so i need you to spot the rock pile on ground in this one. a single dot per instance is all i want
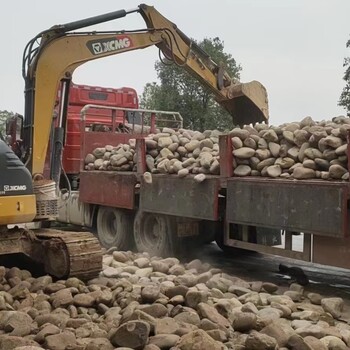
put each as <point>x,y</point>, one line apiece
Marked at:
<point>302,150</point>
<point>147,303</point>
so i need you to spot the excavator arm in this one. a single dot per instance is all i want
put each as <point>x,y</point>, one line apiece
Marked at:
<point>61,51</point>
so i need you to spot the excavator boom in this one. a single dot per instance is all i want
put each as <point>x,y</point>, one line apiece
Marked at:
<point>246,102</point>
<point>60,52</point>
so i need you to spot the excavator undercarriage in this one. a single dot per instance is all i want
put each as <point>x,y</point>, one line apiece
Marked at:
<point>62,253</point>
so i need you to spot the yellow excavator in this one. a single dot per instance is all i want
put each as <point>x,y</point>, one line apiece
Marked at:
<point>49,61</point>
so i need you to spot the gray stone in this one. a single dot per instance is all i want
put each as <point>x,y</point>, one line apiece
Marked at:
<point>242,170</point>
<point>314,343</point>
<point>244,321</point>
<point>166,325</point>
<point>188,317</point>
<point>296,342</point>
<point>336,171</point>
<point>274,170</point>
<point>259,341</point>
<point>315,298</point>
<point>150,294</point>
<point>61,341</point>
<point>133,334</point>
<point>311,330</point>
<point>236,142</point>
<point>303,173</point>
<point>198,340</point>
<point>84,300</point>
<point>244,152</point>
<point>333,305</point>
<point>270,135</point>
<point>164,341</point>
<point>209,312</point>
<point>269,287</point>
<point>333,343</point>
<point>156,310</point>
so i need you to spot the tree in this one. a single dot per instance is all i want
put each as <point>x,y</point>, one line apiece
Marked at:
<point>344,100</point>
<point>179,91</point>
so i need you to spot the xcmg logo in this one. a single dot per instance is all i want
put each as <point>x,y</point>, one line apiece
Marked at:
<point>10,188</point>
<point>98,47</point>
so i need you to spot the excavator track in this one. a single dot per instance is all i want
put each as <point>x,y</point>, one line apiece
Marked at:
<point>70,254</point>
<point>62,253</point>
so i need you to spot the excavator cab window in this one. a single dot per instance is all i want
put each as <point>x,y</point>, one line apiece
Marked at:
<point>14,133</point>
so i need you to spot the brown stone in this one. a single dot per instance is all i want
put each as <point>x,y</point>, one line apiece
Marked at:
<point>132,334</point>
<point>198,340</point>
<point>212,314</point>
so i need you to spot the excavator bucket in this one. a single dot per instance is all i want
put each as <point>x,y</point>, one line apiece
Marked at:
<point>247,103</point>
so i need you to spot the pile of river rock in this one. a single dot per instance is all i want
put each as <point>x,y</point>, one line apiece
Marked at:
<point>147,303</point>
<point>300,150</point>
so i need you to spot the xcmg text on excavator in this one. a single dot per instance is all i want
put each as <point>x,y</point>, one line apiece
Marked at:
<point>49,61</point>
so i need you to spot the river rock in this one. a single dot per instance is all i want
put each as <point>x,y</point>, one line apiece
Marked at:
<point>244,152</point>
<point>236,142</point>
<point>270,135</point>
<point>303,173</point>
<point>336,171</point>
<point>333,305</point>
<point>164,341</point>
<point>274,170</point>
<point>198,340</point>
<point>133,334</point>
<point>244,321</point>
<point>240,133</point>
<point>259,341</point>
<point>274,149</point>
<point>333,141</point>
<point>211,314</point>
<point>332,342</point>
<point>242,170</point>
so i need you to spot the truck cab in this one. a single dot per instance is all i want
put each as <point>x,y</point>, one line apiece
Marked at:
<point>80,96</point>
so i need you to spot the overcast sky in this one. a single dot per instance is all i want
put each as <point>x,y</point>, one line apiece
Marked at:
<point>295,48</point>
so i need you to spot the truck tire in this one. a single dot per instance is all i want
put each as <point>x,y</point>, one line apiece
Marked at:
<point>155,234</point>
<point>114,228</point>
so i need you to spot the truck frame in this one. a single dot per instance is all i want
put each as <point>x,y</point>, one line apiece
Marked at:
<point>247,213</point>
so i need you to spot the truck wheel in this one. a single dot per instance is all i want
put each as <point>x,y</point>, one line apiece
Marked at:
<point>114,228</point>
<point>155,234</point>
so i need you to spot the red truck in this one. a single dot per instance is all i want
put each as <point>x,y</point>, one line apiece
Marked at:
<point>159,216</point>
<point>110,116</point>
<point>79,96</point>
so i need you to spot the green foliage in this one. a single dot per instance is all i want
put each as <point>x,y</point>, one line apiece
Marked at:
<point>344,100</point>
<point>3,116</point>
<point>178,91</point>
